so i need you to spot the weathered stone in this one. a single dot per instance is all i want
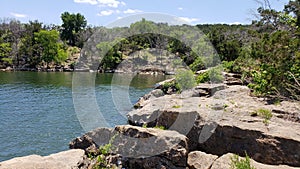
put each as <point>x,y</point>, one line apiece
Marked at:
<point>222,123</point>
<point>63,160</point>
<point>146,98</point>
<point>224,162</point>
<point>211,89</point>
<point>200,160</point>
<point>92,140</point>
<point>143,147</point>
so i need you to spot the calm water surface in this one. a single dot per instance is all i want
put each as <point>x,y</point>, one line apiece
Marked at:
<point>37,114</point>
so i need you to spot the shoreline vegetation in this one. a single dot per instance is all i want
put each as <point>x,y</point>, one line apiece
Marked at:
<point>265,53</point>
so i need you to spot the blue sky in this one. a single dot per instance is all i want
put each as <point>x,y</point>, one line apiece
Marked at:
<point>103,12</point>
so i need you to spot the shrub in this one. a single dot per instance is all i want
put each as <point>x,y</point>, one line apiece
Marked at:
<point>237,163</point>
<point>203,77</point>
<point>170,85</point>
<point>266,114</point>
<point>213,75</point>
<point>8,60</point>
<point>185,79</point>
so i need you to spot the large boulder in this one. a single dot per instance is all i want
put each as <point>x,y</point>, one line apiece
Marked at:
<point>224,122</point>
<point>63,160</point>
<point>139,147</point>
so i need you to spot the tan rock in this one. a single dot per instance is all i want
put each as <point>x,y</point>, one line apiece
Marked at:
<point>200,160</point>
<point>140,147</point>
<point>224,162</point>
<point>62,160</point>
<point>222,123</point>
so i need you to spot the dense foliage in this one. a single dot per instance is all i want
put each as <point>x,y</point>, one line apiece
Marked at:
<point>267,52</point>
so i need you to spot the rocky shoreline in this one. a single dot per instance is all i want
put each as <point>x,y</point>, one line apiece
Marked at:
<point>199,128</point>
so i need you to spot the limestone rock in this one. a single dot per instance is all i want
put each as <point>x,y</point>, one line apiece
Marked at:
<point>224,162</point>
<point>222,123</point>
<point>141,147</point>
<point>146,98</point>
<point>63,160</point>
<point>200,160</point>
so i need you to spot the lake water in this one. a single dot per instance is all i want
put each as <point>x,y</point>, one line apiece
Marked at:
<point>37,114</point>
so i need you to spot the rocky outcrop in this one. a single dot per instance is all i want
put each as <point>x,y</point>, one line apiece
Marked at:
<point>63,160</point>
<point>221,122</point>
<point>204,126</point>
<point>139,147</point>
<point>224,162</point>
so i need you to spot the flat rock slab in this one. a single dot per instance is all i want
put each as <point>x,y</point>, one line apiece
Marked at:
<point>62,160</point>
<point>222,123</point>
<point>224,162</point>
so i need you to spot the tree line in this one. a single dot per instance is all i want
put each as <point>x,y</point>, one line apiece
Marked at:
<point>29,45</point>
<point>266,52</point>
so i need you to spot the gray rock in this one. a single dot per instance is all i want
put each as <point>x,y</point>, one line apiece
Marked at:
<point>146,98</point>
<point>224,162</point>
<point>210,89</point>
<point>143,147</point>
<point>63,160</point>
<point>200,160</point>
<point>222,123</point>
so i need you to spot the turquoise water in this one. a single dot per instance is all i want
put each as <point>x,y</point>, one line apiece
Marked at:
<point>37,114</point>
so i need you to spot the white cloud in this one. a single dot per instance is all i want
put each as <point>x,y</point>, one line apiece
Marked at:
<point>119,17</point>
<point>132,11</point>
<point>18,15</point>
<point>110,3</point>
<point>123,3</point>
<point>236,23</point>
<point>92,2</point>
<point>106,13</point>
<point>189,20</point>
<point>180,8</point>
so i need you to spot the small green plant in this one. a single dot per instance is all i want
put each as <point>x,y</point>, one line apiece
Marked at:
<point>264,113</point>
<point>170,86</point>
<point>232,102</point>
<point>277,102</point>
<point>105,149</point>
<point>176,106</point>
<point>225,106</point>
<point>203,77</point>
<point>238,163</point>
<point>228,66</point>
<point>144,125</point>
<point>213,75</point>
<point>160,127</point>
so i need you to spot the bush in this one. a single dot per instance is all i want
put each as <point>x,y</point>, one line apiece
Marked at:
<point>8,60</point>
<point>203,77</point>
<point>213,75</point>
<point>185,79</point>
<point>237,163</point>
<point>170,86</point>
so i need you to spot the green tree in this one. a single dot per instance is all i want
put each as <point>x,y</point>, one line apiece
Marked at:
<point>72,25</point>
<point>52,50</point>
<point>29,49</point>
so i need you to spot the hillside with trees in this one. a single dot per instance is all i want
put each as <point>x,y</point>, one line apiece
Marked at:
<point>266,53</point>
